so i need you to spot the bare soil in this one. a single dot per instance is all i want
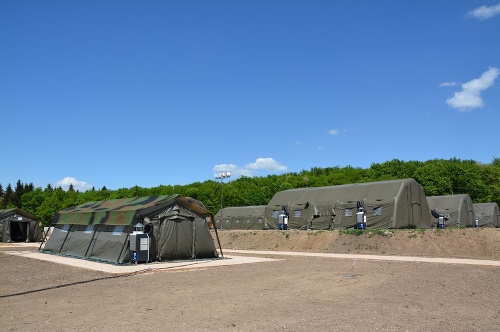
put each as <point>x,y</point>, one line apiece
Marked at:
<point>295,293</point>
<point>481,243</point>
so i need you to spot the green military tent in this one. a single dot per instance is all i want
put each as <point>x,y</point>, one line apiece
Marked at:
<point>458,210</point>
<point>388,204</point>
<point>242,217</point>
<point>178,229</point>
<point>19,226</point>
<point>488,214</point>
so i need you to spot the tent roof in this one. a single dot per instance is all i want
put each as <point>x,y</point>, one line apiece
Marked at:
<point>241,211</point>
<point>8,212</point>
<point>456,197</point>
<point>380,191</point>
<point>489,210</point>
<point>123,211</point>
<point>486,207</point>
<point>447,201</point>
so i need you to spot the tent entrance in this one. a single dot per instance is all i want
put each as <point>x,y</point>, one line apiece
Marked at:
<point>18,231</point>
<point>176,238</point>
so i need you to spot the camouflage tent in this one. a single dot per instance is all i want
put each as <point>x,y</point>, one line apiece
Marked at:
<point>388,204</point>
<point>100,230</point>
<point>242,217</point>
<point>488,214</point>
<point>19,226</point>
<point>458,210</point>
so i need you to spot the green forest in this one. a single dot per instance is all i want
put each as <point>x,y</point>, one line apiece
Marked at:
<point>438,177</point>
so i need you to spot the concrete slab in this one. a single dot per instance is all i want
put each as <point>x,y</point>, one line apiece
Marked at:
<point>133,268</point>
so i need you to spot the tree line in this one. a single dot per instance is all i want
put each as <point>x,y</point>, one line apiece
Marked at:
<point>438,177</point>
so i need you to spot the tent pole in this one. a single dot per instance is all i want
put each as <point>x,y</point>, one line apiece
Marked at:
<point>218,240</point>
<point>67,234</point>
<point>193,246</point>
<point>27,232</point>
<point>92,241</point>
<point>44,238</point>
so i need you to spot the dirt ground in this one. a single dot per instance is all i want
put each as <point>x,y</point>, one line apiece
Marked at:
<point>294,293</point>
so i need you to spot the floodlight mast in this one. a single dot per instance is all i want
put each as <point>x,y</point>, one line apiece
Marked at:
<point>221,177</point>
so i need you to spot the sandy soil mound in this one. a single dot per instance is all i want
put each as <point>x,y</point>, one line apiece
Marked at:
<point>483,243</point>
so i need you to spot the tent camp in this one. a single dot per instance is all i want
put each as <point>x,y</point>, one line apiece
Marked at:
<point>242,217</point>
<point>19,226</point>
<point>388,204</point>
<point>177,228</point>
<point>488,214</point>
<point>458,210</point>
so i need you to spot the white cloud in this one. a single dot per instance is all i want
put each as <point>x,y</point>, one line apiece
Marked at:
<point>224,168</point>
<point>444,84</point>
<point>333,132</point>
<point>77,185</point>
<point>336,131</point>
<point>260,164</point>
<point>485,12</point>
<point>268,164</point>
<point>470,96</point>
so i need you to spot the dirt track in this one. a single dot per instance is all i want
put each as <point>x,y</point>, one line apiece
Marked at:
<point>294,293</point>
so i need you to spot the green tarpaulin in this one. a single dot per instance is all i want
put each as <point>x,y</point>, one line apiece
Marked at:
<point>388,204</point>
<point>101,230</point>
<point>242,217</point>
<point>19,226</point>
<point>488,214</point>
<point>458,210</point>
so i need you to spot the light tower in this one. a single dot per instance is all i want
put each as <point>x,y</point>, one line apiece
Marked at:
<point>221,177</point>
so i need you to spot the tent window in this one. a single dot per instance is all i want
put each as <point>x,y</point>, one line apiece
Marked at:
<point>89,229</point>
<point>377,211</point>
<point>118,230</point>
<point>237,221</point>
<point>248,221</point>
<point>260,220</point>
<point>275,214</point>
<point>297,213</point>
<point>227,221</point>
<point>217,221</point>
<point>348,212</point>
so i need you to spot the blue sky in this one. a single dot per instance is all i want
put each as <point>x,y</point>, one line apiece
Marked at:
<point>123,93</point>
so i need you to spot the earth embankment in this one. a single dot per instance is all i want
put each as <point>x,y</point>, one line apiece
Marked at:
<point>482,243</point>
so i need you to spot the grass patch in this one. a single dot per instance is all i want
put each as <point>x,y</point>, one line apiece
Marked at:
<point>366,247</point>
<point>412,234</point>
<point>382,232</point>
<point>370,232</point>
<point>356,232</point>
<point>314,233</point>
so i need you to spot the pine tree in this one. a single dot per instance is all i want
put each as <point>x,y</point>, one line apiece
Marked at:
<point>2,193</point>
<point>8,201</point>
<point>18,193</point>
